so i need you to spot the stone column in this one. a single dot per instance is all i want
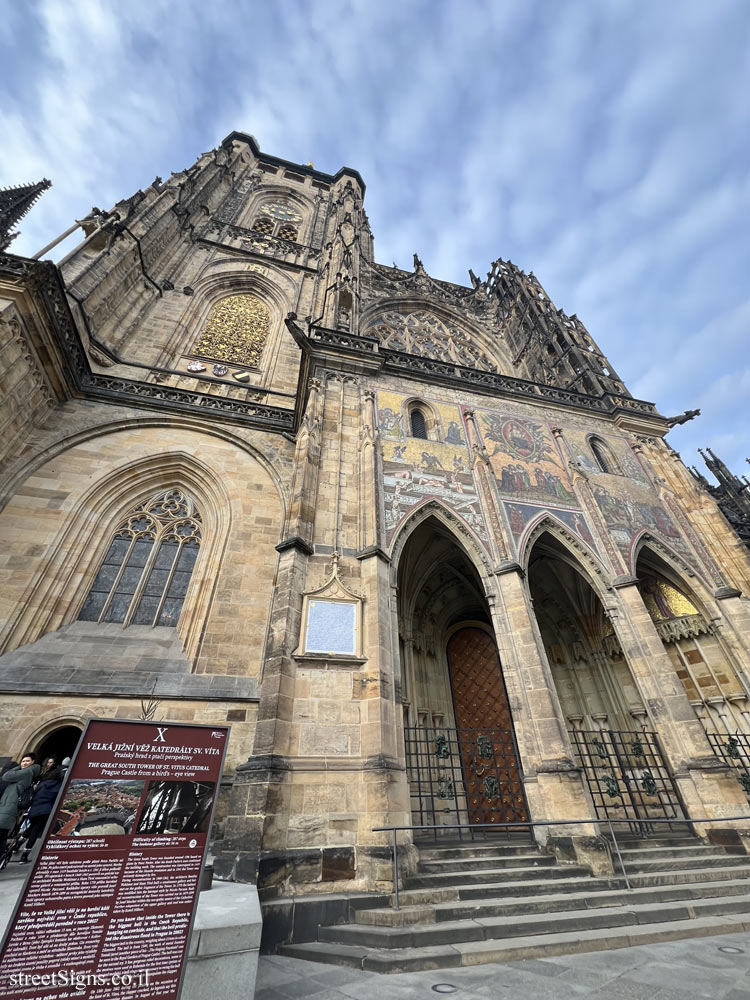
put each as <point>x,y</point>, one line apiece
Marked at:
<point>706,784</point>
<point>734,631</point>
<point>553,782</point>
<point>259,803</point>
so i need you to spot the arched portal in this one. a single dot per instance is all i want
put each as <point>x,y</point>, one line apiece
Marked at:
<point>592,678</point>
<point>608,723</point>
<point>60,743</point>
<point>701,661</point>
<point>461,751</point>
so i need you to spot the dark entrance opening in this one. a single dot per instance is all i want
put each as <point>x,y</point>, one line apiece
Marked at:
<point>59,744</point>
<point>461,755</point>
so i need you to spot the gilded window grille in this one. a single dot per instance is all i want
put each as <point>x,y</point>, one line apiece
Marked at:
<point>264,225</point>
<point>145,574</point>
<point>235,331</point>
<point>288,233</point>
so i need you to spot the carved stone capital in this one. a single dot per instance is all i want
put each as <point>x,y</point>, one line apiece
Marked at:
<point>722,593</point>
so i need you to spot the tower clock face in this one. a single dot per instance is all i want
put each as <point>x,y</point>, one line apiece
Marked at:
<point>281,210</point>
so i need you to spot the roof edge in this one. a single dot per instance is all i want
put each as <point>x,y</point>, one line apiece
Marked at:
<point>302,168</point>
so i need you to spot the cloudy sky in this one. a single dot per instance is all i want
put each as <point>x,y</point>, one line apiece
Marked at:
<point>605,146</point>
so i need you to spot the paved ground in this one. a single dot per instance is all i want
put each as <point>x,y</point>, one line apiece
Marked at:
<point>694,969</point>
<point>675,970</point>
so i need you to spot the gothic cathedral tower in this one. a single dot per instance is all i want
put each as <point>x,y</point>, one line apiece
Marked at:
<point>415,541</point>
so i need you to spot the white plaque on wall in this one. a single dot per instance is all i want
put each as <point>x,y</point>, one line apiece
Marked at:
<point>331,627</point>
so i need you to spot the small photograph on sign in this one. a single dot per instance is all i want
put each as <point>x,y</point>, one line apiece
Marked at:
<point>177,807</point>
<point>98,807</point>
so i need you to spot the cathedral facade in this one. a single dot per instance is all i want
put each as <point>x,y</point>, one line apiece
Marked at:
<point>415,541</point>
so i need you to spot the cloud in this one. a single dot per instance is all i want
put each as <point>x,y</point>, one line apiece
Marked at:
<point>604,147</point>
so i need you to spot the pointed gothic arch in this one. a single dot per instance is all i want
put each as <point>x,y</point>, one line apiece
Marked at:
<point>218,282</point>
<point>300,209</point>
<point>451,323</point>
<point>29,735</point>
<point>453,686</point>
<point>685,616</point>
<point>101,429</point>
<point>682,570</point>
<point>465,537</point>
<point>78,549</point>
<point>592,678</point>
<point>582,556</point>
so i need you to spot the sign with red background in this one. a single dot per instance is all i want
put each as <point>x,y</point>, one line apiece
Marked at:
<point>107,911</point>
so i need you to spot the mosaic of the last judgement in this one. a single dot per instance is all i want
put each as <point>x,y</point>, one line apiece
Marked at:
<point>415,469</point>
<point>531,476</point>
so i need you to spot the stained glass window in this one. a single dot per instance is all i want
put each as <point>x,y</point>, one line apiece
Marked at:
<point>235,331</point>
<point>144,577</point>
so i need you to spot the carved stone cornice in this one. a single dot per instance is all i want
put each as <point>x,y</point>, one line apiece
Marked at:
<point>43,281</point>
<point>685,627</point>
<point>458,376</point>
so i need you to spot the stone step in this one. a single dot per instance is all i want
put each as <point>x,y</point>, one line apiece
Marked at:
<point>694,875</point>
<point>676,840</point>
<point>481,928</point>
<point>474,851</point>
<point>443,879</point>
<point>685,863</point>
<point>510,950</point>
<point>567,879</point>
<point>460,865</point>
<point>653,853</point>
<point>582,900</point>
<point>541,886</point>
<point>503,890</point>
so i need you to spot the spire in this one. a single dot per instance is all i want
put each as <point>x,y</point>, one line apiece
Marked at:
<point>14,204</point>
<point>731,495</point>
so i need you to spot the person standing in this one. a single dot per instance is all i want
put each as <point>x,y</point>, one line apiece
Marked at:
<point>42,804</point>
<point>16,781</point>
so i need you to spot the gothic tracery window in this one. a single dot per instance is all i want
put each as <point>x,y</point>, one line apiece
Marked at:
<point>145,574</point>
<point>235,331</point>
<point>426,335</point>
<point>278,218</point>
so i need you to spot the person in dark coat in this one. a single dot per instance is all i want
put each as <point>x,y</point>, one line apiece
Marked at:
<point>10,766</point>
<point>16,781</point>
<point>42,804</point>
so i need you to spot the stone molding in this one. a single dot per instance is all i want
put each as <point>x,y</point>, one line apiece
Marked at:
<point>44,278</point>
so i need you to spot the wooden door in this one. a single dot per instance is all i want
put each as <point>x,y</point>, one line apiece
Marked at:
<point>489,759</point>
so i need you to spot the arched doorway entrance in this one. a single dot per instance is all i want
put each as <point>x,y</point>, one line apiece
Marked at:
<point>702,661</point>
<point>695,648</point>
<point>462,759</point>
<point>60,743</point>
<point>609,726</point>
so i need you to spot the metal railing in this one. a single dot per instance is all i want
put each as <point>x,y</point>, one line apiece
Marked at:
<point>627,776</point>
<point>395,830</point>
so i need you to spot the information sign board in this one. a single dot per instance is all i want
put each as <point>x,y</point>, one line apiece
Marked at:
<point>107,911</point>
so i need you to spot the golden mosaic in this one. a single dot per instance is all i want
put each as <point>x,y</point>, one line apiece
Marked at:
<point>235,331</point>
<point>663,600</point>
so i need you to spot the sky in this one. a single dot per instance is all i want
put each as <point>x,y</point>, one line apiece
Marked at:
<point>605,146</point>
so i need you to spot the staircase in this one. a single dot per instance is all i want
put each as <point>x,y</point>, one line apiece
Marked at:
<point>472,904</point>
